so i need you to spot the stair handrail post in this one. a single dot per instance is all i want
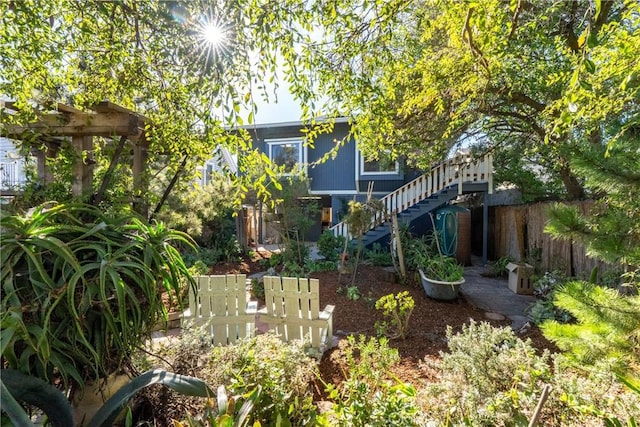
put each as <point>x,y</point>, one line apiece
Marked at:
<point>460,168</point>
<point>489,158</point>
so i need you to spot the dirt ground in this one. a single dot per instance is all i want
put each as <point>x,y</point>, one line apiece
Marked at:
<point>428,323</point>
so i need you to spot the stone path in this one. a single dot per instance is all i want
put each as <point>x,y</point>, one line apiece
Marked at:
<point>494,296</point>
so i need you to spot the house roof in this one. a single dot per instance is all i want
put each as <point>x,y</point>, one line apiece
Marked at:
<point>293,123</point>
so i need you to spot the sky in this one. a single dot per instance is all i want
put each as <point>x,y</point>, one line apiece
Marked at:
<point>285,110</point>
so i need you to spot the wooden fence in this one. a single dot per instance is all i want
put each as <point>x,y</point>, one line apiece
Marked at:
<point>518,232</point>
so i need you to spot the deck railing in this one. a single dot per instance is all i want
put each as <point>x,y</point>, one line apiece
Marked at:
<point>11,174</point>
<point>456,170</point>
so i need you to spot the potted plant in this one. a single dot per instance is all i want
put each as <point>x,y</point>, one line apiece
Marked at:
<point>441,277</point>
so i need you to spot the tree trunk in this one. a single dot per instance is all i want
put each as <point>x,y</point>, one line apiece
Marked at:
<point>575,190</point>
<point>173,182</point>
<point>97,198</point>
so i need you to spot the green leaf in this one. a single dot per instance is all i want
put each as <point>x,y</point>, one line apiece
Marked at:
<point>182,384</point>
<point>16,413</point>
<point>247,406</point>
<point>583,37</point>
<point>586,85</point>
<point>574,78</point>
<point>36,392</point>
<point>589,66</point>
<point>6,336</point>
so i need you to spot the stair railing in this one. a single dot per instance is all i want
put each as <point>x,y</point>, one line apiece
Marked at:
<point>460,169</point>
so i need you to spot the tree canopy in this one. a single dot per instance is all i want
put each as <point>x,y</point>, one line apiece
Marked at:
<point>534,79</point>
<point>153,57</point>
<point>421,76</point>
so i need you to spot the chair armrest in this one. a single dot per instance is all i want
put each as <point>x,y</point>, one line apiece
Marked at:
<point>327,312</point>
<point>252,307</point>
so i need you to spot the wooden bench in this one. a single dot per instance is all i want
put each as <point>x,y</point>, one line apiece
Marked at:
<point>292,311</point>
<point>221,305</point>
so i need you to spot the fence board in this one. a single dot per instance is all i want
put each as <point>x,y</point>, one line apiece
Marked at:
<point>519,233</point>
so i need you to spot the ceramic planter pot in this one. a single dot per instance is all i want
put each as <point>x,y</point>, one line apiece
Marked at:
<point>436,289</point>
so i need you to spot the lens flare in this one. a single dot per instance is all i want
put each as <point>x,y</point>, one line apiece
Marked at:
<point>213,34</point>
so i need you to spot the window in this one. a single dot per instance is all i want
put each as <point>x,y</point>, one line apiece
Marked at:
<point>286,153</point>
<point>384,164</point>
<point>208,174</point>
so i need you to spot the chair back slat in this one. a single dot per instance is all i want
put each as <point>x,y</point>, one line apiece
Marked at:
<point>293,310</point>
<point>221,304</point>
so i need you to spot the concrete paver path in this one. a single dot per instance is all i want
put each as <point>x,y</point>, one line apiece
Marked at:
<point>494,296</point>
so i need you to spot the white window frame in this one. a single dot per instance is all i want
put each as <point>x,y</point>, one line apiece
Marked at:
<point>302,152</point>
<point>362,161</point>
<point>209,168</point>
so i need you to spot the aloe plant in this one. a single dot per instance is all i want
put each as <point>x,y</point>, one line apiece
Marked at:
<point>82,289</point>
<point>16,387</point>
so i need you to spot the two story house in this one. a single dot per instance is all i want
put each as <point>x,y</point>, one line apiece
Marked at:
<point>334,182</point>
<point>408,194</point>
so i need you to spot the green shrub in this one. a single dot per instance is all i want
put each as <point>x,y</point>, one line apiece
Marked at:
<point>417,251</point>
<point>82,289</point>
<point>377,256</point>
<point>314,266</point>
<point>283,371</point>
<point>489,377</point>
<point>498,268</point>
<point>369,396</point>
<point>398,308</point>
<point>353,293</point>
<point>589,397</point>
<point>543,309</point>
<point>330,246</point>
<point>257,289</point>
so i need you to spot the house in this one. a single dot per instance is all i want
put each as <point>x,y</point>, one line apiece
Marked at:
<point>221,162</point>
<point>407,193</point>
<point>13,168</point>
<point>334,182</point>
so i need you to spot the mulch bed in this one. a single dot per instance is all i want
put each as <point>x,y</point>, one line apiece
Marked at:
<point>428,324</point>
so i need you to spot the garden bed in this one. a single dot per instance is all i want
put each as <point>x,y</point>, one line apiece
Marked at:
<point>428,323</point>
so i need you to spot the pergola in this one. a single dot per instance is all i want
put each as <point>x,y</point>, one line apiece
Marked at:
<point>115,123</point>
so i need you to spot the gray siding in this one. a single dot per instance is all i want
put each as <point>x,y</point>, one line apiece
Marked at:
<point>380,184</point>
<point>338,175</point>
<point>335,174</point>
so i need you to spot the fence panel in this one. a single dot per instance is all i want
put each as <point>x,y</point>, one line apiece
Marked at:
<point>519,233</point>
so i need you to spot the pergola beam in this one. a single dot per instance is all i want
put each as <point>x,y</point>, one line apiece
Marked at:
<point>105,119</point>
<point>81,124</point>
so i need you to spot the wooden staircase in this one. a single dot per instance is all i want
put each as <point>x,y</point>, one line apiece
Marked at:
<point>458,175</point>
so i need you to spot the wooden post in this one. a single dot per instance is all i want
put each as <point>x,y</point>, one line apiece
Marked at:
<point>82,170</point>
<point>50,152</point>
<point>538,410</point>
<point>489,171</point>
<point>485,228</point>
<point>140,180</point>
<point>396,232</point>
<point>41,165</point>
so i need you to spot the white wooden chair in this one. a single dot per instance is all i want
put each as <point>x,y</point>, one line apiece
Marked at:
<point>292,311</point>
<point>223,307</point>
